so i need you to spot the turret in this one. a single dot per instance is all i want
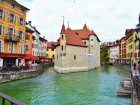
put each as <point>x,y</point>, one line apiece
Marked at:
<point>85,26</point>
<point>63,40</point>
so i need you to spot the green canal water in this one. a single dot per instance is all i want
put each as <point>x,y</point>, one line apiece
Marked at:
<point>96,87</point>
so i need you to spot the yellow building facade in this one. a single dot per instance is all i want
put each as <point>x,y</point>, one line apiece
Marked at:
<point>51,51</point>
<point>12,32</point>
<point>130,46</point>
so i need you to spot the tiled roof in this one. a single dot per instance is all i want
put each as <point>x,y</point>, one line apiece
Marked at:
<point>73,39</point>
<point>51,44</point>
<point>82,33</point>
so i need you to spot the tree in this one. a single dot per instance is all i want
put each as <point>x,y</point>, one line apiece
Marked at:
<point>104,53</point>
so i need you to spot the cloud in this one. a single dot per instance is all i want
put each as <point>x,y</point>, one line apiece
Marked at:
<point>108,18</point>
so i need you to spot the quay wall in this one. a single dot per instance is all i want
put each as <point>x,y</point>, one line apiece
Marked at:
<point>134,98</point>
<point>22,74</point>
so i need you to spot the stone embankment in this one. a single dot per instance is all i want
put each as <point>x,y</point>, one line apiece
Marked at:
<point>7,76</point>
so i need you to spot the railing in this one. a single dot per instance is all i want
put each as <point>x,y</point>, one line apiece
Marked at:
<point>12,101</point>
<point>136,85</point>
<point>12,38</point>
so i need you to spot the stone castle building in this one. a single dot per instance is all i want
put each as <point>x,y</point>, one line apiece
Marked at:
<point>77,50</point>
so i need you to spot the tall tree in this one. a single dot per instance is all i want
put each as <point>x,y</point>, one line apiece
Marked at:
<point>104,53</point>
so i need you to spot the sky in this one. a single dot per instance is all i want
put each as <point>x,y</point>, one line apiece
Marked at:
<point>108,18</point>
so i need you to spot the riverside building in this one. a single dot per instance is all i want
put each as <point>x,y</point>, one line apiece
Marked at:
<point>12,32</point>
<point>77,50</point>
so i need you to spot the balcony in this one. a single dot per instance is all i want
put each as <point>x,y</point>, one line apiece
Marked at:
<point>12,38</point>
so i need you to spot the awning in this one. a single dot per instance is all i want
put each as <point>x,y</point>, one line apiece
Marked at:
<point>11,55</point>
<point>30,56</point>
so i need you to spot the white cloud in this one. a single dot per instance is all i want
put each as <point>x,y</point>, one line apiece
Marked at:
<point>108,18</point>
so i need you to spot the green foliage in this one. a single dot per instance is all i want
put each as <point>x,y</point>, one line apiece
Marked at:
<point>104,53</point>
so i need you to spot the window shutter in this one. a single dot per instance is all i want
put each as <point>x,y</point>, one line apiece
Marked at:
<point>19,48</point>
<point>22,48</point>
<point>8,17</point>
<point>14,18</point>
<point>2,46</point>
<point>14,32</point>
<point>13,48</point>
<point>23,36</point>
<point>2,31</point>
<point>3,15</point>
<point>18,20</point>
<point>23,22</point>
<point>9,47</point>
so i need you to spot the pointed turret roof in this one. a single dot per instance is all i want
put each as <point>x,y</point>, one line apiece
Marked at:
<point>63,31</point>
<point>85,26</point>
<point>92,32</point>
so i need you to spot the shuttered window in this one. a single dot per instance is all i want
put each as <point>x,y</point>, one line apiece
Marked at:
<point>2,29</point>
<point>10,47</point>
<point>1,46</point>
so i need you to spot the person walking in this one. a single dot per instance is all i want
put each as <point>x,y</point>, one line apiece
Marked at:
<point>134,65</point>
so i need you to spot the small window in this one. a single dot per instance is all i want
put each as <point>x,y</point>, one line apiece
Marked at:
<point>53,56</point>
<point>85,42</point>
<point>62,48</point>
<point>57,56</point>
<point>62,37</point>
<point>12,5</point>
<point>74,57</point>
<point>91,39</point>
<point>52,49</point>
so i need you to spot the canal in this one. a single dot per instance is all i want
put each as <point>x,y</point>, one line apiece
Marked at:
<point>96,87</point>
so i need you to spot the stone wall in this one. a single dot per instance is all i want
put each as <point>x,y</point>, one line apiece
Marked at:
<point>67,63</point>
<point>135,100</point>
<point>12,75</point>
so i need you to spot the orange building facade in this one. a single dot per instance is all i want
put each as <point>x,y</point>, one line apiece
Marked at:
<point>12,33</point>
<point>122,50</point>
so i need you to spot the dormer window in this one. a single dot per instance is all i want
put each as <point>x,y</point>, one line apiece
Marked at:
<point>76,33</point>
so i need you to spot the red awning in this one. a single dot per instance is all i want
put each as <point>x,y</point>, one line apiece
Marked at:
<point>30,56</point>
<point>11,55</point>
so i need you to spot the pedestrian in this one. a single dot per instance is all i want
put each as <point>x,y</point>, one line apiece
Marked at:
<point>134,65</point>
